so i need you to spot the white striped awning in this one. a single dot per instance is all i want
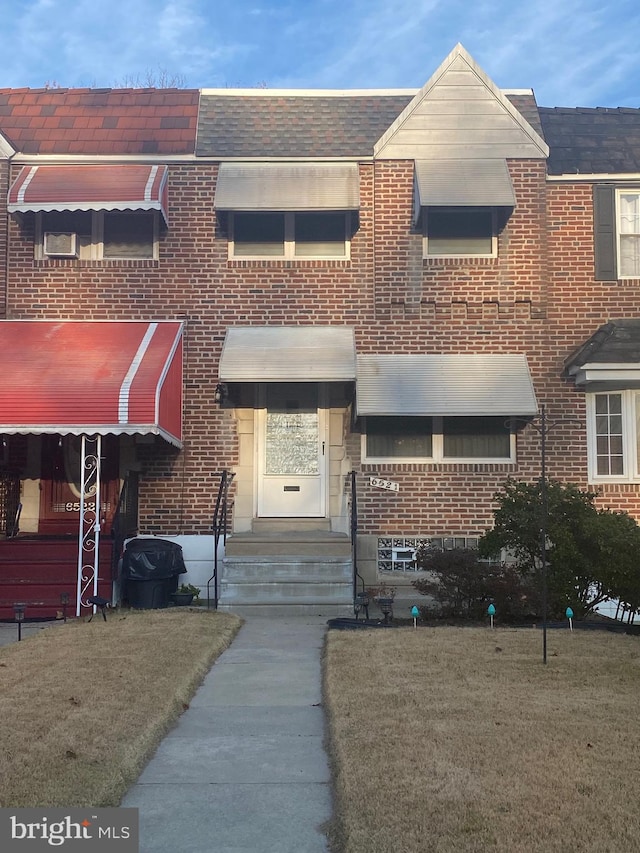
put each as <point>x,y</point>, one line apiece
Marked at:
<point>444,385</point>
<point>463,183</point>
<point>74,377</point>
<point>288,354</point>
<point>289,186</point>
<point>130,186</point>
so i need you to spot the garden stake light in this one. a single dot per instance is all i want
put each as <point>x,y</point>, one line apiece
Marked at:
<point>415,613</point>
<point>569,615</point>
<point>491,610</point>
<point>386,606</point>
<point>362,603</point>
<point>18,614</point>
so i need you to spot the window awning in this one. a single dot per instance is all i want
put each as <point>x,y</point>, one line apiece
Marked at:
<point>288,354</point>
<point>292,186</point>
<point>73,378</point>
<point>463,183</point>
<point>446,385</point>
<point>106,187</point>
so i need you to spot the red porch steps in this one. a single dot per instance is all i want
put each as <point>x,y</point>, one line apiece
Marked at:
<point>35,571</point>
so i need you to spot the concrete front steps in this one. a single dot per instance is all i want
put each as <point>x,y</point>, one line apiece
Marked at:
<point>282,568</point>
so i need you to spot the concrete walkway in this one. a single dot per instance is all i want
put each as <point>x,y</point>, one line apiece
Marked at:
<point>244,770</point>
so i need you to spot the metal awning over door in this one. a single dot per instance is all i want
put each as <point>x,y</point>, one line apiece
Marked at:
<point>288,354</point>
<point>93,378</point>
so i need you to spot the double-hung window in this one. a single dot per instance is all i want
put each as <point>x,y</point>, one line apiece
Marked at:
<point>290,235</point>
<point>438,439</point>
<point>462,232</point>
<point>616,213</point>
<point>628,218</point>
<point>613,436</point>
<point>97,235</point>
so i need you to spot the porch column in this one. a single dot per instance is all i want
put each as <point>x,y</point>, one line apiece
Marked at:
<point>89,527</point>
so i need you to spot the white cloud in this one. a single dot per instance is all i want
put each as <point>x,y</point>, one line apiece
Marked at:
<point>570,51</point>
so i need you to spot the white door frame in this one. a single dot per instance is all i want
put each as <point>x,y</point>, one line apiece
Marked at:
<point>259,455</point>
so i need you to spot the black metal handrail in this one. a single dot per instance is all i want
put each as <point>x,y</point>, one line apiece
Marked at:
<point>354,536</point>
<point>220,514</point>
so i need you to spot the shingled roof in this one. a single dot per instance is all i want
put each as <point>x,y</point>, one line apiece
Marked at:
<point>617,342</point>
<point>306,125</point>
<point>99,121</point>
<point>594,141</point>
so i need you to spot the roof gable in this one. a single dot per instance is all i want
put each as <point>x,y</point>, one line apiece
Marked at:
<point>460,114</point>
<point>6,150</point>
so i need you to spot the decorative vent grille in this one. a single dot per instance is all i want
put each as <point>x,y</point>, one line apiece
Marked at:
<point>398,553</point>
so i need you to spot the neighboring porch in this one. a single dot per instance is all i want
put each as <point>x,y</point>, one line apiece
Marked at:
<point>76,400</point>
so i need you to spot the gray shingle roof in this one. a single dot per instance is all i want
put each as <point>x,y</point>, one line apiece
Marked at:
<point>617,342</point>
<point>305,125</point>
<point>294,126</point>
<point>600,140</point>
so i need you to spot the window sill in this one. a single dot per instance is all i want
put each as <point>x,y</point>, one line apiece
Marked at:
<point>288,263</point>
<point>445,464</point>
<point>76,263</point>
<point>459,260</point>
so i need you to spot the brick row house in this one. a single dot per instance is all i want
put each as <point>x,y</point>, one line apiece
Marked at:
<point>341,298</point>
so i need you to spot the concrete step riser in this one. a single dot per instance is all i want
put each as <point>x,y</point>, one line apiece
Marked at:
<point>274,593</point>
<point>266,572</point>
<point>283,611</point>
<point>292,549</point>
<point>290,525</point>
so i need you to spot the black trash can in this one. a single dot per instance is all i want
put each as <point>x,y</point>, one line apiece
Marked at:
<point>150,569</point>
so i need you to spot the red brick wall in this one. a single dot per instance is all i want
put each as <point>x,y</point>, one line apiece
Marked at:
<point>4,189</point>
<point>538,297</point>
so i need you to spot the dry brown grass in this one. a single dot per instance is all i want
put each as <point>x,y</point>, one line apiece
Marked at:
<point>84,704</point>
<point>460,739</point>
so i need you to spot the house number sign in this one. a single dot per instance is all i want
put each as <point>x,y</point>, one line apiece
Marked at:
<point>389,485</point>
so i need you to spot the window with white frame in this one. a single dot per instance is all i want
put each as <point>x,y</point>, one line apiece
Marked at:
<point>628,215</point>
<point>437,439</point>
<point>97,235</point>
<point>318,234</point>
<point>460,232</point>
<point>613,434</point>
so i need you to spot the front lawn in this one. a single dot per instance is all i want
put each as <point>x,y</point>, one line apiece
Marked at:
<point>460,739</point>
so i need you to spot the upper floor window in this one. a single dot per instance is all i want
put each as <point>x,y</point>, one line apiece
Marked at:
<point>613,436</point>
<point>436,439</point>
<point>628,231</point>
<point>460,232</point>
<point>290,235</point>
<point>97,235</point>
<point>616,222</point>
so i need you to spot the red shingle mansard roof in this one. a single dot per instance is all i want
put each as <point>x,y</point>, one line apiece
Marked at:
<point>100,121</point>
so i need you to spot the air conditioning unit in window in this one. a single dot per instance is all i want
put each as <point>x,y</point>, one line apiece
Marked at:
<point>60,244</point>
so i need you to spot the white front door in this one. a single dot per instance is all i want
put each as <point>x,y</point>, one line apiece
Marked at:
<point>291,452</point>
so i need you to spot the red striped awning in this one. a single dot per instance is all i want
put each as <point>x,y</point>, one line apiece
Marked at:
<point>91,378</point>
<point>105,187</point>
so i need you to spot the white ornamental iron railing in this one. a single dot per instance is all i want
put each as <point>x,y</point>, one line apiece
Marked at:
<point>89,528</point>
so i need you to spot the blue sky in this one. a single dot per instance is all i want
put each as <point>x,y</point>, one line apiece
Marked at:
<point>571,52</point>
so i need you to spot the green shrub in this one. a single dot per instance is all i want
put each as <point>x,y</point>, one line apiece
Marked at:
<point>463,586</point>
